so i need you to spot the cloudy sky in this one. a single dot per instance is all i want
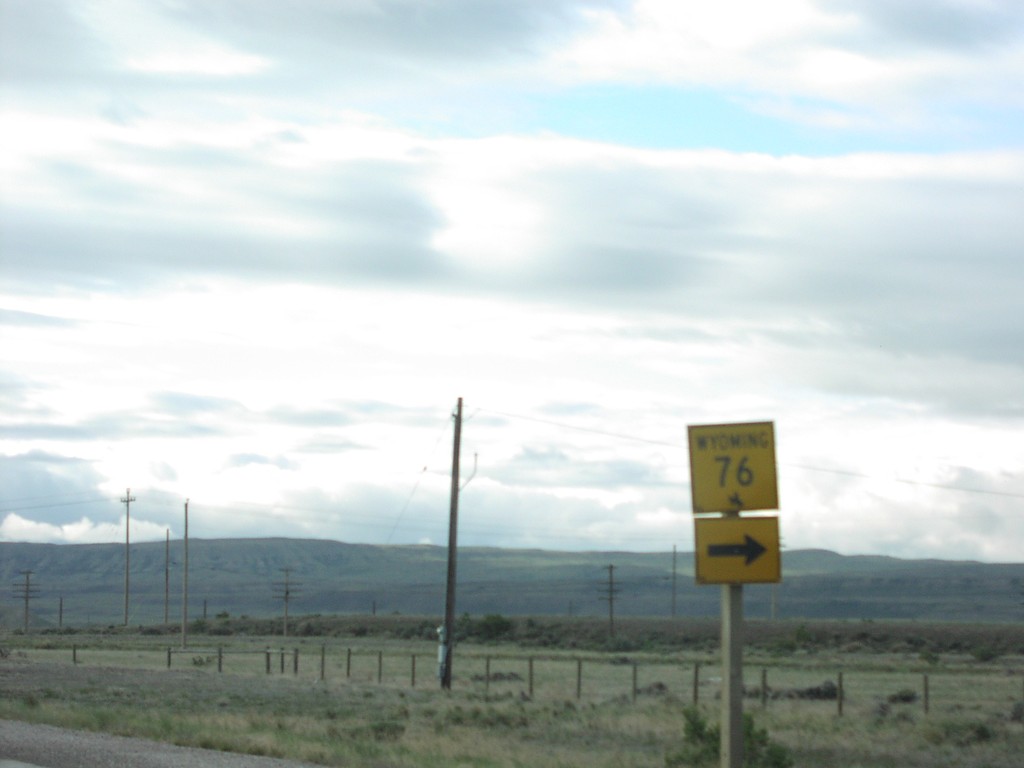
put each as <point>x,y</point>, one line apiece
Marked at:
<point>252,252</point>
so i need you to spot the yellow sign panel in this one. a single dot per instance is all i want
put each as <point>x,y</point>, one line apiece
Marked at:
<point>737,550</point>
<point>732,467</point>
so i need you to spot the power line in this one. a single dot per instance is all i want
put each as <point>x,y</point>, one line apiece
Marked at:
<point>905,481</point>
<point>681,445</point>
<point>96,500</point>
<point>419,479</point>
<point>578,428</point>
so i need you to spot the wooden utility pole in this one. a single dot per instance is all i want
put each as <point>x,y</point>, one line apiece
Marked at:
<point>611,590</point>
<point>27,592</point>
<point>448,631</point>
<point>184,586</point>
<point>127,501</point>
<point>285,590</point>
<point>673,581</point>
<point>167,576</point>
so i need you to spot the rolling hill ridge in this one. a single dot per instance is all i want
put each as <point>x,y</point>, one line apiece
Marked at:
<point>84,584</point>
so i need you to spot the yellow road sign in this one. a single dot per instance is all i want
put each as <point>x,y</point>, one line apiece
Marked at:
<point>737,550</point>
<point>732,467</point>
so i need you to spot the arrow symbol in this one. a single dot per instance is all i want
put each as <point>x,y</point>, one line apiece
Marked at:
<point>751,549</point>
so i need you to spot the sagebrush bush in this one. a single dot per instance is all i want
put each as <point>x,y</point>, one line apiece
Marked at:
<point>703,742</point>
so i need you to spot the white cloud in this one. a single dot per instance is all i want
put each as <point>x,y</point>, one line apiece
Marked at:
<point>885,62</point>
<point>83,531</point>
<point>237,273</point>
<point>139,37</point>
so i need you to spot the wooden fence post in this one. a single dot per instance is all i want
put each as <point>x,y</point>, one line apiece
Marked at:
<point>74,654</point>
<point>220,658</point>
<point>413,673</point>
<point>696,683</point>
<point>764,687</point>
<point>579,678</point>
<point>487,678</point>
<point>282,661</point>
<point>267,655</point>
<point>168,658</point>
<point>323,662</point>
<point>531,677</point>
<point>380,666</point>
<point>926,694</point>
<point>634,682</point>
<point>840,695</point>
<point>348,663</point>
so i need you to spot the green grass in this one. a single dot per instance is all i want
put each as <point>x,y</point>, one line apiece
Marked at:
<point>122,685</point>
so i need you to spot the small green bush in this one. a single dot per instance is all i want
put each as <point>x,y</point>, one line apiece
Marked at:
<point>493,627</point>
<point>903,696</point>
<point>703,743</point>
<point>985,653</point>
<point>960,734</point>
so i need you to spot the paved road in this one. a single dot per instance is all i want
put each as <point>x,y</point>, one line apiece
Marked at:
<point>44,746</point>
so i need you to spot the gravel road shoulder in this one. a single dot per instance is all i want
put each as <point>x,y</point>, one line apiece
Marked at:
<point>51,747</point>
<point>55,747</point>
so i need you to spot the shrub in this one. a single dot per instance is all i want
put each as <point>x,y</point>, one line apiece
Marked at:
<point>959,733</point>
<point>985,653</point>
<point>494,627</point>
<point>903,696</point>
<point>703,743</point>
<point>783,647</point>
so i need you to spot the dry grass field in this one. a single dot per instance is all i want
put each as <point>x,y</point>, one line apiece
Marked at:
<point>593,708</point>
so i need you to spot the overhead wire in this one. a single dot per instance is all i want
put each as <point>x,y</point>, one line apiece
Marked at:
<point>416,485</point>
<point>829,470</point>
<point>550,533</point>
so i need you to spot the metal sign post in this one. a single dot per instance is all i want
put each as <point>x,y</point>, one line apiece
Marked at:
<point>732,469</point>
<point>731,746</point>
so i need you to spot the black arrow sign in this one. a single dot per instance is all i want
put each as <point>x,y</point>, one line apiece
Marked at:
<point>751,549</point>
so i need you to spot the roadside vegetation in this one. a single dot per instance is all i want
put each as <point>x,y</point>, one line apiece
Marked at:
<point>985,641</point>
<point>515,700</point>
